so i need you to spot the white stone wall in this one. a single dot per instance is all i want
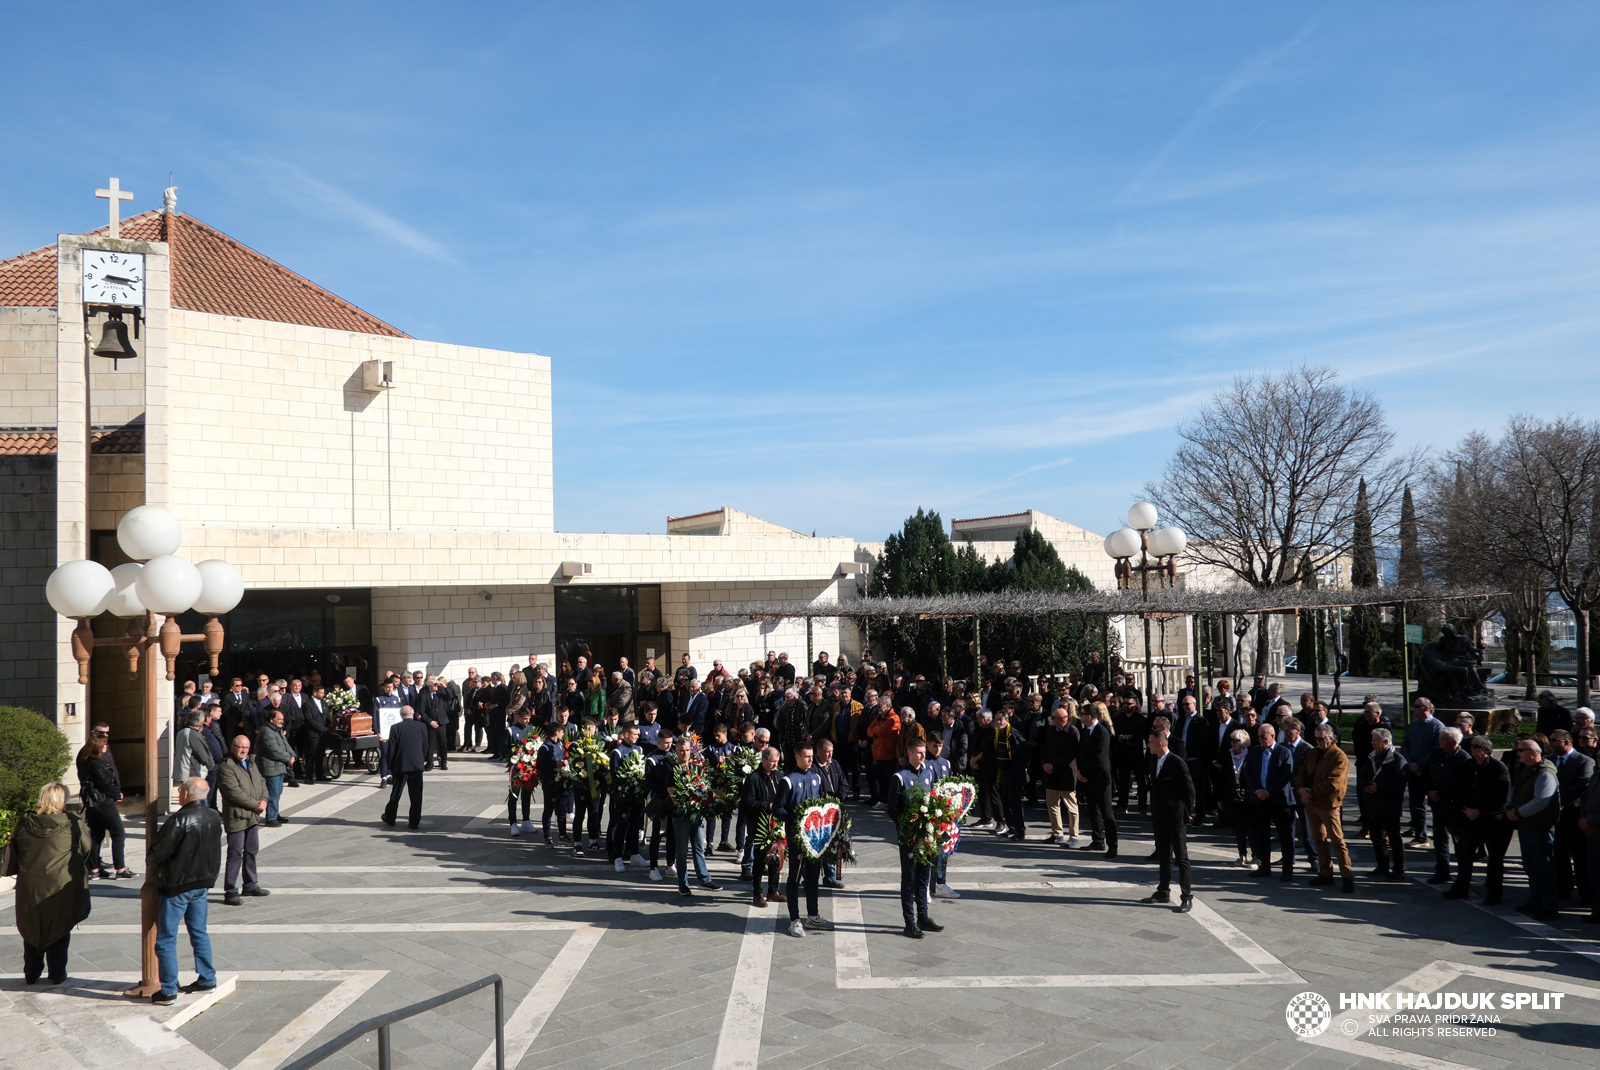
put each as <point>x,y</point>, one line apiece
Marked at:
<point>28,373</point>
<point>450,629</point>
<point>739,643</point>
<point>271,428</point>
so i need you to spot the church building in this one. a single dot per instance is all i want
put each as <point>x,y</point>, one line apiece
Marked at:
<point>344,468</point>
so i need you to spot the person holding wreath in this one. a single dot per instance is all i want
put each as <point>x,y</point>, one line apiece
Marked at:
<point>799,786</point>
<point>915,780</point>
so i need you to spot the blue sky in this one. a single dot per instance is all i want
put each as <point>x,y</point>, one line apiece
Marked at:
<point>828,263</point>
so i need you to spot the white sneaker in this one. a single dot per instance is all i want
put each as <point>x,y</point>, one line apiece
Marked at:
<point>817,924</point>
<point>516,829</point>
<point>944,891</point>
<point>1001,830</point>
<point>797,928</point>
<point>640,861</point>
<point>1054,837</point>
<point>1073,841</point>
<point>670,871</point>
<point>655,874</point>
<point>620,866</point>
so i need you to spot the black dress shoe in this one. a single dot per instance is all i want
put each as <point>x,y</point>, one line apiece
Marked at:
<point>912,931</point>
<point>1110,853</point>
<point>257,891</point>
<point>196,986</point>
<point>1157,897</point>
<point>232,899</point>
<point>1261,871</point>
<point>928,925</point>
<point>389,821</point>
<point>1186,904</point>
<point>162,999</point>
<point>1397,876</point>
<point>1320,881</point>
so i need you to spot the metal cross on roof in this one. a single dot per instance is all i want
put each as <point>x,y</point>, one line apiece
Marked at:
<point>115,194</point>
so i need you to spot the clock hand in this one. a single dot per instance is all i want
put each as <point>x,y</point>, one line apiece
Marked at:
<point>115,280</point>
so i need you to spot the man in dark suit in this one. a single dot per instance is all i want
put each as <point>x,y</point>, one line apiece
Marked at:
<point>1574,770</point>
<point>1194,732</point>
<point>1094,780</point>
<point>237,707</point>
<point>408,753</point>
<point>433,710</point>
<point>1171,802</point>
<point>1268,780</point>
<point>294,730</point>
<point>318,724</point>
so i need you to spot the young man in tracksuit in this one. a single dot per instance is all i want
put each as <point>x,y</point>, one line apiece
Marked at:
<point>798,787</point>
<point>627,818</point>
<point>657,778</point>
<point>940,767</point>
<point>551,758</point>
<point>914,874</point>
<point>718,749</point>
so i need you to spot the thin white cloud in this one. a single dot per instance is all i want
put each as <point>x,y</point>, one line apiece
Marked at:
<point>1246,74</point>
<point>292,183</point>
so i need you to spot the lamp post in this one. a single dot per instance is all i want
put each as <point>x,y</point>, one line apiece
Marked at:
<point>164,585</point>
<point>1142,537</point>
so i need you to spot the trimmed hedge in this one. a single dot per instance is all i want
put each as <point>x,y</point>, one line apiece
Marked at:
<point>33,752</point>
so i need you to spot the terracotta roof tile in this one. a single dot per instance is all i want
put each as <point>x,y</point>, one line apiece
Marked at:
<point>27,443</point>
<point>37,442</point>
<point>210,273</point>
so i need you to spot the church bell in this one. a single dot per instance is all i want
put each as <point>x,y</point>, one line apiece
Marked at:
<point>114,340</point>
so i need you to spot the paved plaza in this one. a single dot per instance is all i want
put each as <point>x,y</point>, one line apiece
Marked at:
<point>1048,960</point>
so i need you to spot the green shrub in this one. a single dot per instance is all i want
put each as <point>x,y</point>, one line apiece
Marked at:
<point>1387,663</point>
<point>33,752</point>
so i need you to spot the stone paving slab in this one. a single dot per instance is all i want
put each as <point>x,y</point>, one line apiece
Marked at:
<point>654,990</point>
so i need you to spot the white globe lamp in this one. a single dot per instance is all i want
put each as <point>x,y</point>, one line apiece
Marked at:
<point>1124,542</point>
<point>1164,542</point>
<point>79,589</point>
<point>221,588</point>
<point>168,585</point>
<point>1143,516</point>
<point>124,598</point>
<point>149,531</point>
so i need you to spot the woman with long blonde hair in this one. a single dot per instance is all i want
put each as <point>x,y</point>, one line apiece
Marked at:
<point>50,858</point>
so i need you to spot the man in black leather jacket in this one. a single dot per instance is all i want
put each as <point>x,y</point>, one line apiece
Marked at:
<point>187,855</point>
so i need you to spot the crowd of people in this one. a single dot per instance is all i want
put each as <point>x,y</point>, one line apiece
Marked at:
<point>1087,746</point>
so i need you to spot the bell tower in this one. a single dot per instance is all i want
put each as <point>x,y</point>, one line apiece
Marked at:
<point>113,295</point>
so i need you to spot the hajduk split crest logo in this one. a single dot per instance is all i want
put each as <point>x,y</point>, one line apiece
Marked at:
<point>1309,1014</point>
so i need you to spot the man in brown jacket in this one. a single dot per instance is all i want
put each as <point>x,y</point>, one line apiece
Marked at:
<point>244,801</point>
<point>1321,787</point>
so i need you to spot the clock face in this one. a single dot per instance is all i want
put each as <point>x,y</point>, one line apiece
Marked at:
<point>113,278</point>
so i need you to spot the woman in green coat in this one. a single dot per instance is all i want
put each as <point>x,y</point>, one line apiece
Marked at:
<point>50,859</point>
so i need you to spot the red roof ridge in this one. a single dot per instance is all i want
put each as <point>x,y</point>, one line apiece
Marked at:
<point>211,272</point>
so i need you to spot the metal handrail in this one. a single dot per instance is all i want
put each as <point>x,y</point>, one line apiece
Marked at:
<point>383,1021</point>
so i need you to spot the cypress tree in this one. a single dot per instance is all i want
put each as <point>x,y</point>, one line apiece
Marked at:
<point>1365,632</point>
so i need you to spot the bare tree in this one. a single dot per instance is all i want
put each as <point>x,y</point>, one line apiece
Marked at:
<point>1463,545</point>
<point>1265,480</point>
<point>1549,479</point>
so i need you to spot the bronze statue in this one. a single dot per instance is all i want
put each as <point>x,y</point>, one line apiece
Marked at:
<point>1451,673</point>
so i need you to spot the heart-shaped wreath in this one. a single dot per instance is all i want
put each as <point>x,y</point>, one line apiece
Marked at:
<point>817,823</point>
<point>962,791</point>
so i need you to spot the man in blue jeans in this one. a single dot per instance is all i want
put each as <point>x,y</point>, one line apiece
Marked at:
<point>186,856</point>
